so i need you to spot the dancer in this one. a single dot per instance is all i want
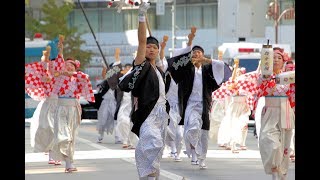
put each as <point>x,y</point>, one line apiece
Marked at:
<point>106,111</point>
<point>236,113</point>
<point>174,138</point>
<point>277,119</point>
<point>122,113</point>
<point>150,118</point>
<point>196,81</point>
<point>44,134</point>
<point>69,84</point>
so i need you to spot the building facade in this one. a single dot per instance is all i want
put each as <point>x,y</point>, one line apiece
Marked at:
<point>113,29</point>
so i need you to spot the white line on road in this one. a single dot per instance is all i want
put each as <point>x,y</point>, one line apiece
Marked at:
<point>131,160</point>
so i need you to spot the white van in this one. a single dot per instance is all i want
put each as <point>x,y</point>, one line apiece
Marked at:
<point>247,53</point>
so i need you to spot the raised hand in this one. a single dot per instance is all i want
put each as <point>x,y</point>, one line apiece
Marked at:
<point>60,44</point>
<point>164,42</point>
<point>117,54</point>
<point>143,8</point>
<point>192,35</point>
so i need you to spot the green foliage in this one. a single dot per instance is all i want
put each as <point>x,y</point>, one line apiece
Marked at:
<point>55,22</point>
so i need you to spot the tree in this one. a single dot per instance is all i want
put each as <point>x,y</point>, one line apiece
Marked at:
<point>55,22</point>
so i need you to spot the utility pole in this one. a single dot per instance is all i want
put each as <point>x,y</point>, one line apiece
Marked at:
<point>274,12</point>
<point>173,10</point>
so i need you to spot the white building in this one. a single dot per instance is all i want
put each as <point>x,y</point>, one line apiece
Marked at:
<point>217,22</point>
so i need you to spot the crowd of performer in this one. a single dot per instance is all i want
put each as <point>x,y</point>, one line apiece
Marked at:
<point>182,102</point>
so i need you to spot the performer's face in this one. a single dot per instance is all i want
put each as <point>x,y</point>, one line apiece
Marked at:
<point>238,72</point>
<point>70,67</point>
<point>152,51</point>
<point>126,69</point>
<point>197,54</point>
<point>277,62</point>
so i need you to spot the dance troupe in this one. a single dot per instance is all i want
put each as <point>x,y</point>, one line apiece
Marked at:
<point>153,103</point>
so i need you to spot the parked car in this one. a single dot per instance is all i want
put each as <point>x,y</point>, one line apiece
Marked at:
<point>89,111</point>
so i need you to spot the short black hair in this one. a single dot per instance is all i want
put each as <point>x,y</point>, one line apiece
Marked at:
<point>128,64</point>
<point>153,40</point>
<point>196,47</point>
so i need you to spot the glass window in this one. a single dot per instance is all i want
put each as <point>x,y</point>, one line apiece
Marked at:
<point>80,22</point>
<point>212,1</point>
<point>181,1</point>
<point>164,22</point>
<point>152,18</point>
<point>194,16</point>
<point>90,5</point>
<point>210,16</point>
<point>131,19</point>
<point>181,17</point>
<point>194,1</point>
<point>112,21</point>
<point>92,15</point>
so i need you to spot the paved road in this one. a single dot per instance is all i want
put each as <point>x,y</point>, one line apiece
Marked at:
<point>108,160</point>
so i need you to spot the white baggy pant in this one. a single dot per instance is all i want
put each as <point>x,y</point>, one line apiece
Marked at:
<point>277,122</point>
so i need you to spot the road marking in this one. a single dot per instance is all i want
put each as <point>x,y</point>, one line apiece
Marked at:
<point>56,170</point>
<point>131,160</point>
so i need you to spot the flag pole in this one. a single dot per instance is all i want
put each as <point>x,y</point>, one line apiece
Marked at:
<point>94,36</point>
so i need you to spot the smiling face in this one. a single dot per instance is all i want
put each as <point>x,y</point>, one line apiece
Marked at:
<point>277,62</point>
<point>70,67</point>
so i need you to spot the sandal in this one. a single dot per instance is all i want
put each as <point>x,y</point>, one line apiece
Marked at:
<point>171,154</point>
<point>195,162</point>
<point>203,166</point>
<point>57,163</point>
<point>243,147</point>
<point>235,151</point>
<point>70,170</point>
<point>125,146</point>
<point>131,147</point>
<point>51,161</point>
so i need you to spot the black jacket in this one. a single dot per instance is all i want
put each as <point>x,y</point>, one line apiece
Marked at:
<point>185,89</point>
<point>184,78</point>
<point>143,83</point>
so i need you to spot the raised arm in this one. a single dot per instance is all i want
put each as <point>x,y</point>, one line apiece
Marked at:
<point>117,55</point>
<point>163,46</point>
<point>161,61</point>
<point>142,34</point>
<point>60,44</point>
<point>191,36</point>
<point>104,72</point>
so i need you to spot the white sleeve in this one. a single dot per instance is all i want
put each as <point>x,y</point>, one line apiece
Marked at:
<point>179,51</point>
<point>218,70</point>
<point>122,77</point>
<point>116,63</point>
<point>165,64</point>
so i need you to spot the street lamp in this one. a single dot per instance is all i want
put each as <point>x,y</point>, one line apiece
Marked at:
<point>273,12</point>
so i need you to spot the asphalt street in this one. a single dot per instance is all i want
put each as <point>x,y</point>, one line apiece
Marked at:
<point>107,160</point>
